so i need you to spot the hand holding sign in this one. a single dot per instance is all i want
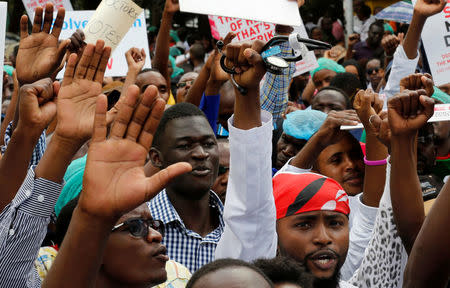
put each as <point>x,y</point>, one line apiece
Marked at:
<point>135,60</point>
<point>427,8</point>
<point>111,21</point>
<point>40,54</point>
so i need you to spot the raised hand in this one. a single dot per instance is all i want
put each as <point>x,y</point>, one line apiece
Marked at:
<point>135,59</point>
<point>114,181</point>
<point>329,131</point>
<point>172,6</point>
<point>37,107</point>
<point>217,74</point>
<point>247,61</point>
<point>427,8</point>
<point>391,42</point>
<point>40,54</point>
<point>418,81</point>
<point>367,105</point>
<point>353,39</point>
<point>81,85</point>
<point>408,111</point>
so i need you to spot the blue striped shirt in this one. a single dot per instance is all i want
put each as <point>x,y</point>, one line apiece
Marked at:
<point>23,226</point>
<point>183,245</point>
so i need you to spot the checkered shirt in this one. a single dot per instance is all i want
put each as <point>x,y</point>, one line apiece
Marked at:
<point>275,88</point>
<point>38,150</point>
<point>183,245</point>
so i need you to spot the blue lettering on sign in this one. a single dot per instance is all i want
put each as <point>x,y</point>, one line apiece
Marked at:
<point>81,24</point>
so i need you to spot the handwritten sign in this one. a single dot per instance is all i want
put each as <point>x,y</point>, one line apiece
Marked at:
<point>117,64</point>
<point>3,10</point>
<point>273,11</point>
<point>441,113</point>
<point>111,21</point>
<point>436,41</point>
<point>31,5</point>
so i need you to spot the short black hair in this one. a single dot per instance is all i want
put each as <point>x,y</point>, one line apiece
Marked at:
<point>361,74</point>
<point>377,23</point>
<point>366,11</point>
<point>222,264</point>
<point>332,88</point>
<point>179,110</point>
<point>285,270</point>
<point>347,82</point>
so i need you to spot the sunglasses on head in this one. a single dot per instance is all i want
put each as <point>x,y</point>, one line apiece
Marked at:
<point>183,84</point>
<point>139,227</point>
<point>371,70</point>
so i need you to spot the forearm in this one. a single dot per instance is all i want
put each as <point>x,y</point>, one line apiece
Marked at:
<point>161,59</point>
<point>57,158</point>
<point>406,193</point>
<point>247,110</point>
<point>195,93</point>
<point>81,253</point>
<point>14,164</point>
<point>307,156</point>
<point>349,54</point>
<point>428,264</point>
<point>375,176</point>
<point>412,38</point>
<point>212,87</point>
<point>10,114</point>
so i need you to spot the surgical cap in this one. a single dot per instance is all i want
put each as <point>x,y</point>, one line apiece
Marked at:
<point>302,124</point>
<point>329,64</point>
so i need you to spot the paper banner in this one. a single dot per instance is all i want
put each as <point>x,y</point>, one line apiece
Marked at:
<point>31,5</point>
<point>117,64</point>
<point>111,21</point>
<point>274,11</point>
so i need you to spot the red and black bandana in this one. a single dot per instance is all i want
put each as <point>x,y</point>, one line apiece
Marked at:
<point>299,193</point>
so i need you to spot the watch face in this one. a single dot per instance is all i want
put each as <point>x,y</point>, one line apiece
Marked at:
<point>277,61</point>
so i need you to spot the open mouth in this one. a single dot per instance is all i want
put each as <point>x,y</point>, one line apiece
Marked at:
<point>324,260</point>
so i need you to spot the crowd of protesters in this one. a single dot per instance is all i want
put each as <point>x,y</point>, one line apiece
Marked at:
<point>174,177</point>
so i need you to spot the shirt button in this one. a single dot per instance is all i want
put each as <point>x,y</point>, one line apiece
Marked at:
<point>28,193</point>
<point>11,232</point>
<point>40,198</point>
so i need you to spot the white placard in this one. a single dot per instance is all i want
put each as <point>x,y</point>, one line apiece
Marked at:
<point>250,30</point>
<point>111,21</point>
<point>274,11</point>
<point>436,41</point>
<point>3,10</point>
<point>31,5</point>
<point>441,113</point>
<point>117,64</point>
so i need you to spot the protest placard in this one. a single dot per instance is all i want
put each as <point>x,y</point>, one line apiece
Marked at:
<point>273,11</point>
<point>117,64</point>
<point>30,5</point>
<point>3,10</point>
<point>250,30</point>
<point>111,21</point>
<point>436,41</point>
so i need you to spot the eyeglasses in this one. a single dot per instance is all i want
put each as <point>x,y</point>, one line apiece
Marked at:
<point>183,84</point>
<point>223,170</point>
<point>371,70</point>
<point>139,227</point>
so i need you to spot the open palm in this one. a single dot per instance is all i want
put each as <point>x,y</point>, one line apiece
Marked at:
<point>39,53</point>
<point>114,181</point>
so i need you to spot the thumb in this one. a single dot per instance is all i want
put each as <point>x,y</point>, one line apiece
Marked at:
<point>48,111</point>
<point>62,49</point>
<point>428,105</point>
<point>375,122</point>
<point>253,57</point>
<point>428,84</point>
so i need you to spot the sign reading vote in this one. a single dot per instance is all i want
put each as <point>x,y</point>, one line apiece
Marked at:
<point>117,64</point>
<point>111,21</point>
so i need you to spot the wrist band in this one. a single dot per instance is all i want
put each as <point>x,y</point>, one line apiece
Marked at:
<point>375,163</point>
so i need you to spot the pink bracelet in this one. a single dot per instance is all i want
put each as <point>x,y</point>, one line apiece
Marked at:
<point>375,163</point>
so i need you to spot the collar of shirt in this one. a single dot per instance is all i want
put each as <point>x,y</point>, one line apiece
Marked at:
<point>167,213</point>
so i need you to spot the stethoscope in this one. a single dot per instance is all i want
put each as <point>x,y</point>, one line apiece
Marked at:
<point>276,64</point>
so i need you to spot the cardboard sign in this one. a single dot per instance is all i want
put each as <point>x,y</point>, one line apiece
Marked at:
<point>3,10</point>
<point>436,41</point>
<point>273,11</point>
<point>117,64</point>
<point>247,30</point>
<point>31,5</point>
<point>111,21</point>
<point>441,113</point>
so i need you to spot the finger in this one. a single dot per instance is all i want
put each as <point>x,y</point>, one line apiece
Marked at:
<point>428,105</point>
<point>56,87</point>
<point>157,182</point>
<point>357,103</point>
<point>98,52</point>
<point>59,21</point>
<point>401,36</point>
<point>151,125</point>
<point>48,18</point>
<point>37,20</point>
<point>141,113</point>
<point>414,102</point>
<point>23,27</point>
<point>49,111</point>
<point>253,57</point>
<point>70,69</point>
<point>144,55</point>
<point>378,103</point>
<point>406,100</point>
<point>395,104</point>
<point>126,109</point>
<point>45,88</point>
<point>83,64</point>
<point>375,123</point>
<point>417,81</point>
<point>428,84</point>
<point>102,65</point>
<point>62,49</point>
<point>100,127</point>
<point>230,36</point>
